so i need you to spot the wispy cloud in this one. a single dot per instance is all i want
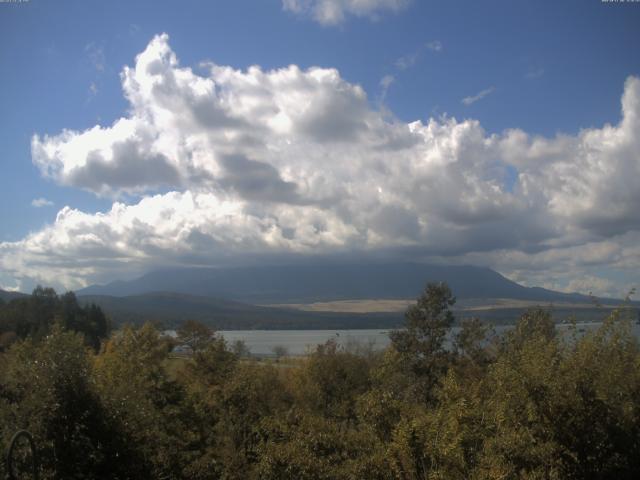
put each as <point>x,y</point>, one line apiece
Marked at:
<point>434,45</point>
<point>385,83</point>
<point>473,99</point>
<point>533,73</point>
<point>591,284</point>
<point>41,202</point>
<point>96,56</point>
<point>409,60</point>
<point>335,12</point>
<point>406,62</point>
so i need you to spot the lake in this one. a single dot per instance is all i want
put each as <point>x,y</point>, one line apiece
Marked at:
<point>300,342</point>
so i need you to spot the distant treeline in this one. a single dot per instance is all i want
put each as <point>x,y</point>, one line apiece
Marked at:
<point>35,315</point>
<point>530,404</point>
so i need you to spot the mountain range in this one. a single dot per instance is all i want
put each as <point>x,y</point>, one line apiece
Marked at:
<point>269,297</point>
<point>318,283</point>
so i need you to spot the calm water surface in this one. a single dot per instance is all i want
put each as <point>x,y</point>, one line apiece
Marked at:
<point>300,342</point>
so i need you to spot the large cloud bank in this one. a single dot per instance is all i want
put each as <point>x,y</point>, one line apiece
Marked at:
<point>297,162</point>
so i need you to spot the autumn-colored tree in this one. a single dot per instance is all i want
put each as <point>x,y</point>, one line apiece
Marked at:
<point>195,335</point>
<point>305,446</point>
<point>330,380</point>
<point>535,403</point>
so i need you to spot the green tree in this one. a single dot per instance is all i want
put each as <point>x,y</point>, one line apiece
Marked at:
<point>205,376</point>
<point>252,394</point>
<point>421,344</point>
<point>34,316</point>
<point>46,388</point>
<point>391,396</point>
<point>144,402</point>
<point>240,348</point>
<point>304,446</point>
<point>330,381</point>
<point>280,351</point>
<point>533,324</point>
<point>89,320</point>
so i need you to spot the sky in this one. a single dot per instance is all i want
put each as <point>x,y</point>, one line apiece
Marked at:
<point>138,135</point>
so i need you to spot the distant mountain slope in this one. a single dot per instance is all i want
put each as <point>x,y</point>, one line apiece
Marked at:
<point>306,283</point>
<point>173,308</point>
<point>8,296</point>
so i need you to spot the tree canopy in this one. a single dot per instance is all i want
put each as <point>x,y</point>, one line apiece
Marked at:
<point>439,403</point>
<point>35,315</point>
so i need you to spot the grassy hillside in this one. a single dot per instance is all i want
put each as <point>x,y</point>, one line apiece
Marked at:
<point>171,309</point>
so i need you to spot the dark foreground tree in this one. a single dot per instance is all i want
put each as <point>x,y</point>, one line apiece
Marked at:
<point>34,317</point>
<point>46,388</point>
<point>421,345</point>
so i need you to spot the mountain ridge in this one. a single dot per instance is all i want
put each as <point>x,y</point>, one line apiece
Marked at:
<point>306,283</point>
<point>7,296</point>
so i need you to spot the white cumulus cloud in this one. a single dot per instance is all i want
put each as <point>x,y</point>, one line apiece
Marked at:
<point>238,165</point>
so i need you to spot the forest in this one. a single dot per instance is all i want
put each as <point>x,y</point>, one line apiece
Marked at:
<point>534,403</point>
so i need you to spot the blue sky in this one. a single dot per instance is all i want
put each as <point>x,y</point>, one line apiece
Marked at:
<point>544,68</point>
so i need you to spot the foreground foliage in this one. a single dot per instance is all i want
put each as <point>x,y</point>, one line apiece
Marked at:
<point>533,404</point>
